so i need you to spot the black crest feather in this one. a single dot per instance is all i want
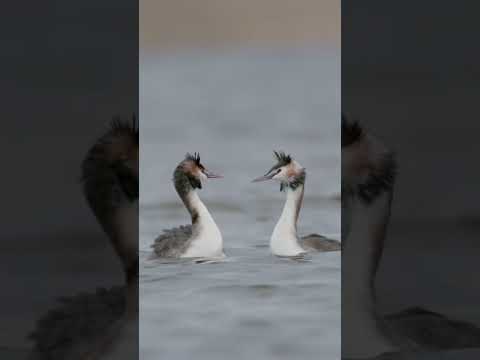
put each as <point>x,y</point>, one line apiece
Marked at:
<point>381,179</point>
<point>119,125</point>
<point>185,180</point>
<point>351,131</point>
<point>195,157</point>
<point>282,158</point>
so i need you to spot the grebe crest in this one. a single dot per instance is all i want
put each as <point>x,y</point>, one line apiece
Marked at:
<point>202,238</point>
<point>368,170</point>
<point>284,240</point>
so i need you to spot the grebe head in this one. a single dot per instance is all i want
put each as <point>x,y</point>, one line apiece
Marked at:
<point>192,169</point>
<point>368,167</point>
<point>110,183</point>
<point>287,171</point>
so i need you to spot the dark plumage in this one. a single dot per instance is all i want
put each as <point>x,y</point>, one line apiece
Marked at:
<point>320,243</point>
<point>173,242</point>
<point>195,158</point>
<point>295,181</point>
<point>110,178</point>
<point>111,167</point>
<point>184,177</point>
<point>371,172</point>
<point>382,171</point>
<point>381,179</point>
<point>351,131</point>
<point>434,331</point>
<point>89,323</point>
<point>282,160</point>
<point>80,320</point>
<point>285,160</point>
<point>428,335</point>
<point>118,125</point>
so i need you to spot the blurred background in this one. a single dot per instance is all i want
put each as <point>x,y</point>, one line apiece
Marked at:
<point>69,67</point>
<point>417,90</point>
<point>169,26</point>
<point>235,80</point>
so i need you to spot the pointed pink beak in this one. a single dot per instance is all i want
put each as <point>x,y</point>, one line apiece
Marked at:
<point>211,175</point>
<point>264,178</point>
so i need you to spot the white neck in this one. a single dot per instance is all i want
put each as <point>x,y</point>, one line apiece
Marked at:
<point>207,240</point>
<point>284,240</point>
<point>362,335</point>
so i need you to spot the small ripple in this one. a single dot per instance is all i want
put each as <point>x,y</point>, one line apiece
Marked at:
<point>255,323</point>
<point>260,290</point>
<point>151,279</point>
<point>153,261</point>
<point>302,258</point>
<point>261,246</point>
<point>263,290</point>
<point>263,218</point>
<point>334,197</point>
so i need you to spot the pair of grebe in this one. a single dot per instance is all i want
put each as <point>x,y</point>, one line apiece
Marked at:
<point>203,238</point>
<point>104,325</point>
<point>368,176</point>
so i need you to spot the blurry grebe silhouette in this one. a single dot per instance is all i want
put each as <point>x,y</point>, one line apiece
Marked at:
<point>368,175</point>
<point>104,324</point>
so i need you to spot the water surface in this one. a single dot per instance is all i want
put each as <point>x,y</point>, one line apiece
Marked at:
<point>235,109</point>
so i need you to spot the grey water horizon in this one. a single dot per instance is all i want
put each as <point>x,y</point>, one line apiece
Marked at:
<point>235,109</point>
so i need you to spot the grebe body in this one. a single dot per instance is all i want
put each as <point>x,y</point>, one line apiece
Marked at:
<point>201,239</point>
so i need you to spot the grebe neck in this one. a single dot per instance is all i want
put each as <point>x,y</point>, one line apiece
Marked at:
<point>198,211</point>
<point>284,240</point>
<point>206,237</point>
<point>362,249</point>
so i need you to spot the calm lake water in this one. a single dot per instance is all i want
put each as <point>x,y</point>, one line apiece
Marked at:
<point>235,109</point>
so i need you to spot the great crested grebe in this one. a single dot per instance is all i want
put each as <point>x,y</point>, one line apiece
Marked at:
<point>284,240</point>
<point>368,175</point>
<point>103,325</point>
<point>201,239</point>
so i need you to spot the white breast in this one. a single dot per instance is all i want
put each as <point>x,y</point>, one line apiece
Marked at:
<point>207,239</point>
<point>284,240</point>
<point>207,243</point>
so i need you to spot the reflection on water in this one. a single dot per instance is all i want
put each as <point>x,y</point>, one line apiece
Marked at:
<point>235,109</point>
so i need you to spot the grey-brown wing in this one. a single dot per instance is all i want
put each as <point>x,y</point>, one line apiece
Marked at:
<point>423,334</point>
<point>430,330</point>
<point>173,242</point>
<point>75,327</point>
<point>320,243</point>
<point>389,356</point>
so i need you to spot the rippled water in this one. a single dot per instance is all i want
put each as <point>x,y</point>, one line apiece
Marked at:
<point>235,109</point>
